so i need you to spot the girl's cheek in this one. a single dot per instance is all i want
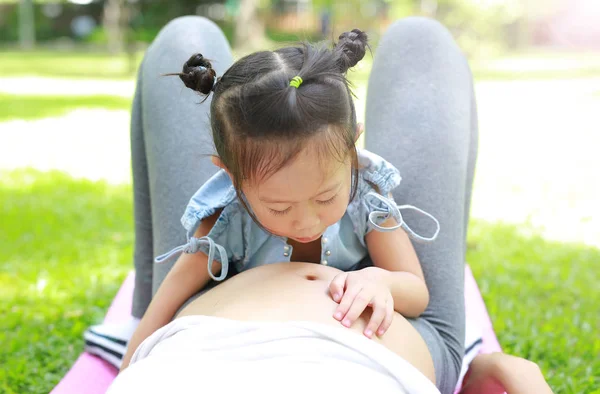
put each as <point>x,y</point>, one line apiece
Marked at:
<point>273,224</point>
<point>334,215</point>
<point>262,218</point>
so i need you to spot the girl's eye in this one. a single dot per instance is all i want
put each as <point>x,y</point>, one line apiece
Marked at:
<point>330,201</point>
<point>277,213</point>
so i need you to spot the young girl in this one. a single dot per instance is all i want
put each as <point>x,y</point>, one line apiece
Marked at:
<point>293,187</point>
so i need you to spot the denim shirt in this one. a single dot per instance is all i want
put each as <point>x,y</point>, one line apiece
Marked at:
<point>236,239</point>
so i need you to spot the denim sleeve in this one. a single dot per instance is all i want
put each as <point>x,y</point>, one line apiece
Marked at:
<point>378,174</point>
<point>374,203</point>
<point>225,243</point>
<point>229,231</point>
<point>218,192</point>
<point>376,180</point>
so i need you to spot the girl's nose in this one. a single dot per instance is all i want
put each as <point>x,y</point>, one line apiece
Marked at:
<point>306,220</point>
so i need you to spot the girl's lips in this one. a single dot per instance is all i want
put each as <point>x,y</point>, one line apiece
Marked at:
<point>309,239</point>
<point>303,240</point>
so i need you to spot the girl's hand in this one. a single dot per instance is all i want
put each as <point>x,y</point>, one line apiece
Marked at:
<point>357,290</point>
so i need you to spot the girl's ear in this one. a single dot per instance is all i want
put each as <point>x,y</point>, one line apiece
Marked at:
<point>359,130</point>
<point>217,161</point>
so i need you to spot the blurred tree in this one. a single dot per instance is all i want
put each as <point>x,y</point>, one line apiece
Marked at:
<point>481,25</point>
<point>249,28</point>
<point>26,24</point>
<point>115,20</point>
<point>125,21</point>
<point>372,16</point>
<point>478,25</point>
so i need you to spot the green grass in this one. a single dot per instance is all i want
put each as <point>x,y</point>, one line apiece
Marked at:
<point>483,73</point>
<point>543,299</point>
<point>67,246</point>
<point>29,107</point>
<point>537,64</point>
<point>72,64</point>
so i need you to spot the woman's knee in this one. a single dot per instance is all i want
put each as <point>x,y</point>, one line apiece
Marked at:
<point>190,25</point>
<point>419,34</point>
<point>189,31</point>
<point>182,37</point>
<point>419,29</point>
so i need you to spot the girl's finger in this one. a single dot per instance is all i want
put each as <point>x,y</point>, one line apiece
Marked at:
<point>346,301</point>
<point>336,287</point>
<point>378,316</point>
<point>359,304</point>
<point>389,317</point>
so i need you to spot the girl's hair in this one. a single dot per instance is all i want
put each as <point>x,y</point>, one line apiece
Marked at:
<point>260,122</point>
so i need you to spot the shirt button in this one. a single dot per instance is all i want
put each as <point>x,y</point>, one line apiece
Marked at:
<point>286,254</point>
<point>324,240</point>
<point>324,262</point>
<point>286,248</point>
<point>328,253</point>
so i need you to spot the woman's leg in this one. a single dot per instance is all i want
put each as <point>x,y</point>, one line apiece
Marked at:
<point>170,138</point>
<point>142,257</point>
<point>421,116</point>
<point>176,128</point>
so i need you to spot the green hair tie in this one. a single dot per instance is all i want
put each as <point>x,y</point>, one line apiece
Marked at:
<point>296,81</point>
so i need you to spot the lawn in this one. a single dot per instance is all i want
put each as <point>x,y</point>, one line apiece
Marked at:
<point>57,64</point>
<point>543,300</point>
<point>29,107</point>
<point>67,245</point>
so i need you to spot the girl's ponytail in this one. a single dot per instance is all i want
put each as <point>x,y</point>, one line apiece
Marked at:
<point>198,74</point>
<point>351,48</point>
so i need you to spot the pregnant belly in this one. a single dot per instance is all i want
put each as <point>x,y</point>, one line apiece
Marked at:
<point>299,291</point>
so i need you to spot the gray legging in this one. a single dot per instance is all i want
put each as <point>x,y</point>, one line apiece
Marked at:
<point>421,116</point>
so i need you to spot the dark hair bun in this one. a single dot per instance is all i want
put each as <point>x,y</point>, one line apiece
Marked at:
<point>198,74</point>
<point>352,45</point>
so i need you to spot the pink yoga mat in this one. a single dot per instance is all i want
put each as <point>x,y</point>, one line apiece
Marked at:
<point>91,375</point>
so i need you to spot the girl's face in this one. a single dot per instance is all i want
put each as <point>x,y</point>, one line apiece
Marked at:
<point>302,199</point>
